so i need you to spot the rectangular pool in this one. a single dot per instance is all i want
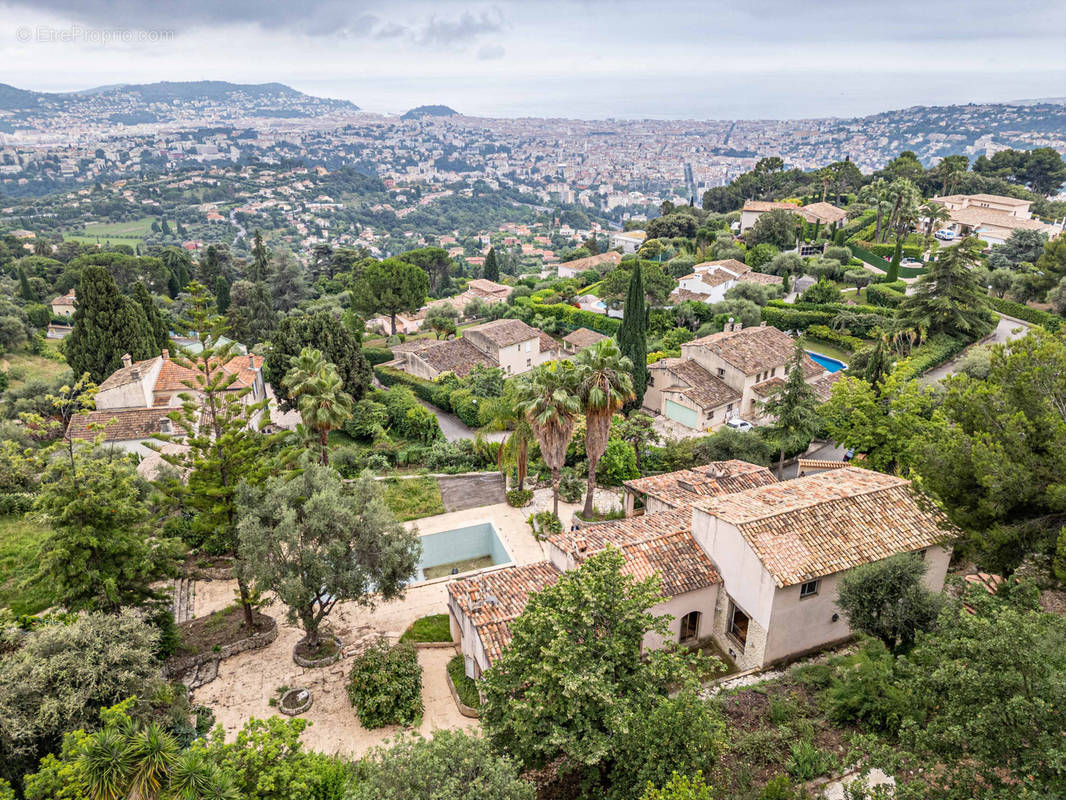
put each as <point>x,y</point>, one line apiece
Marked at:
<point>460,550</point>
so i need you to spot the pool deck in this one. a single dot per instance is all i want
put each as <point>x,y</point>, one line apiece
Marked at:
<point>247,681</point>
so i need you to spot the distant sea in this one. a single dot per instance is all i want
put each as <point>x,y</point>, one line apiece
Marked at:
<point>726,95</point>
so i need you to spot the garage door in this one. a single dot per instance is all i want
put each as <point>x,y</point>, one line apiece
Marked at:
<point>680,413</point>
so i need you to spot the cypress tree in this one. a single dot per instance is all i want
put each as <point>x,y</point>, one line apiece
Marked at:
<point>633,335</point>
<point>106,326</point>
<point>156,327</point>
<point>221,294</point>
<point>260,259</point>
<point>24,285</point>
<point>893,266</point>
<point>491,270</point>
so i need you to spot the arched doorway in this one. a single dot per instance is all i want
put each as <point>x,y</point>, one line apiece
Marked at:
<point>690,627</point>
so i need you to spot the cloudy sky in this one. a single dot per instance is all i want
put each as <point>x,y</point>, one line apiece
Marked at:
<point>576,58</point>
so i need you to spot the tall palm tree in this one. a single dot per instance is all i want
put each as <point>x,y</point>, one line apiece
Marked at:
<point>934,214</point>
<point>546,397</point>
<point>514,450</point>
<point>319,391</point>
<point>604,385</point>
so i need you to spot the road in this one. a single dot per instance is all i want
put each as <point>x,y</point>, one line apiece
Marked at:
<point>241,232</point>
<point>455,429</point>
<point>1007,330</point>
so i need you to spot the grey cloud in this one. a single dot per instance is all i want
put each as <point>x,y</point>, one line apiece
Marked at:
<point>491,52</point>
<point>468,26</point>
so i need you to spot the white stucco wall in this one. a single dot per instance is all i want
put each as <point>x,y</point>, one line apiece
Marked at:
<point>703,600</point>
<point>137,394</point>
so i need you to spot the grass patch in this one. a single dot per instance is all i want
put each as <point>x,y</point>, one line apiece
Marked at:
<point>464,686</point>
<point>27,367</point>
<point>434,628</point>
<point>825,348</point>
<point>413,498</point>
<point>21,538</point>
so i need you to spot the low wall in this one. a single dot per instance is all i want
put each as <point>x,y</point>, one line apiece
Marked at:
<point>464,709</point>
<point>178,666</point>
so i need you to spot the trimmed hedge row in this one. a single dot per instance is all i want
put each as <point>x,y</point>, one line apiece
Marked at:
<point>827,334</point>
<point>887,250</point>
<point>882,296</point>
<point>786,319</point>
<point>1034,315</point>
<point>576,317</point>
<point>935,351</point>
<point>377,355</point>
<point>427,390</point>
<point>835,308</point>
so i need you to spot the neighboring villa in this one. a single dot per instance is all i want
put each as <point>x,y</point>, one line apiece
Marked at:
<point>477,289</point>
<point>137,398</point>
<point>509,344</point>
<point>992,217</point>
<point>825,214</point>
<point>727,375</point>
<point>64,306</point>
<point>602,263</point>
<point>577,341</point>
<point>746,562</point>
<point>708,282</point>
<point>628,241</point>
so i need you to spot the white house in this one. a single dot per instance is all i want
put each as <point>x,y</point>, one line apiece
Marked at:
<point>629,241</point>
<point>992,217</point>
<point>754,570</point>
<point>708,282</point>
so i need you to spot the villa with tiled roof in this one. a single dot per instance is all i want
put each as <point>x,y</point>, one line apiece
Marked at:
<point>133,402</point>
<point>709,281</point>
<point>744,560</point>
<point>725,375</point>
<point>678,490</point>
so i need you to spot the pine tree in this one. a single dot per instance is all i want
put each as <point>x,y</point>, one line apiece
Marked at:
<point>106,326</point>
<point>633,336</point>
<point>24,285</point>
<point>795,411</point>
<point>221,294</point>
<point>492,266</point>
<point>260,259</point>
<point>165,228</point>
<point>156,326</point>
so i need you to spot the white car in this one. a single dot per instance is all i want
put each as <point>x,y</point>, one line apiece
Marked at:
<point>741,425</point>
<point>944,235</point>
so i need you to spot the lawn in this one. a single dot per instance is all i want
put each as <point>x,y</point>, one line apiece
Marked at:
<point>20,542</point>
<point>131,232</point>
<point>434,628</point>
<point>413,498</point>
<point>25,366</point>
<point>825,348</point>
<point>464,686</point>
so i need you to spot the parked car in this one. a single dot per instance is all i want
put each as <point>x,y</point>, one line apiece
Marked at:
<point>944,235</point>
<point>741,425</point>
<point>910,262</point>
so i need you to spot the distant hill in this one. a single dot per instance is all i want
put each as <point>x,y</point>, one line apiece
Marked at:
<point>258,96</point>
<point>430,111</point>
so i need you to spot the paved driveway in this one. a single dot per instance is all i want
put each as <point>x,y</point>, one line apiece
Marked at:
<point>1007,330</point>
<point>455,429</point>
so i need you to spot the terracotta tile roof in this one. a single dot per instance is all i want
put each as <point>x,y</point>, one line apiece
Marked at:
<point>754,350</point>
<point>823,387</point>
<point>583,337</point>
<point>815,463</point>
<point>129,424</point>
<point>767,388</point>
<point>766,205</point>
<point>680,295</point>
<point>592,262</point>
<point>695,383</point>
<point>761,278</point>
<point>125,375</point>
<point>504,332</point>
<point>653,543</point>
<point>832,521</point>
<point>982,198</point>
<point>455,355</point>
<point>973,216</point>
<point>485,288</point>
<point>823,212</point>
<point>679,489</point>
<point>173,377</point>
<point>548,344</point>
<point>731,264</point>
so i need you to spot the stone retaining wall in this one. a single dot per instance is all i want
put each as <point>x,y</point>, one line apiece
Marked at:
<point>464,709</point>
<point>177,666</point>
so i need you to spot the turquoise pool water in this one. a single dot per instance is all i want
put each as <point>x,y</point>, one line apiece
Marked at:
<point>831,364</point>
<point>462,549</point>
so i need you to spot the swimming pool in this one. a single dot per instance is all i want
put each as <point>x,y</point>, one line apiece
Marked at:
<point>831,364</point>
<point>460,550</point>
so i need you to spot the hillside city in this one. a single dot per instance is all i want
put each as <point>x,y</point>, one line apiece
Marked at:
<point>431,457</point>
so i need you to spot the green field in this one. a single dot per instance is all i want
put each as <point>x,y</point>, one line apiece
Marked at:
<point>131,232</point>
<point>24,367</point>
<point>20,541</point>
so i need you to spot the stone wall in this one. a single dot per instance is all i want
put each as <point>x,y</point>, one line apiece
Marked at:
<point>179,666</point>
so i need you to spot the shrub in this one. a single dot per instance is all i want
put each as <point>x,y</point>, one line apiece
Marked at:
<point>393,377</point>
<point>376,462</point>
<point>935,351</point>
<point>619,463</point>
<point>517,498</point>
<point>546,524</point>
<point>821,292</point>
<point>445,456</point>
<point>1022,311</point>
<point>377,355</point>
<point>807,761</point>
<point>867,691</point>
<point>575,317</point>
<point>827,334</point>
<point>368,420</point>
<point>879,294</point>
<point>571,487</point>
<point>787,319</point>
<point>465,406</point>
<point>385,685</point>
<point>16,503</point>
<point>464,685</point>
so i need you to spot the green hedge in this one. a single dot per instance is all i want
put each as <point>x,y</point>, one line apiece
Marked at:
<point>575,317</point>
<point>377,355</point>
<point>935,351</point>
<point>827,334</point>
<point>835,308</point>
<point>880,295</point>
<point>1021,311</point>
<point>786,319</point>
<point>427,390</point>
<point>886,251</point>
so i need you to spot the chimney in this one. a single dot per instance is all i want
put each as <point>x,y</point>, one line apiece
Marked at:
<point>166,354</point>
<point>251,361</point>
<point>762,324</point>
<point>165,425</point>
<point>729,325</point>
<point>127,360</point>
<point>582,545</point>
